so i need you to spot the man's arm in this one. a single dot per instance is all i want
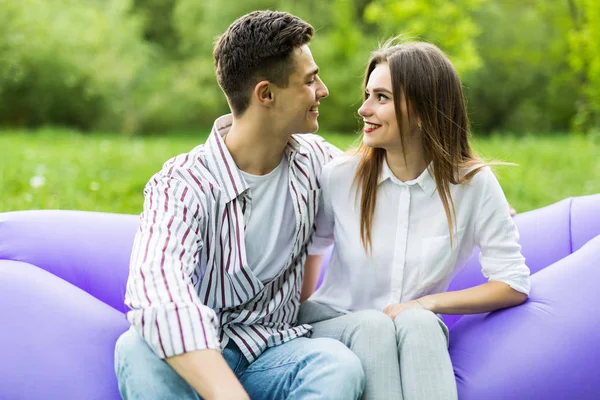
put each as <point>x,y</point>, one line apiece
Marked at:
<point>165,309</point>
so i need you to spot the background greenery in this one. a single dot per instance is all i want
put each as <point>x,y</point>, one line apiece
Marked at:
<point>138,66</point>
<point>96,94</point>
<point>70,170</point>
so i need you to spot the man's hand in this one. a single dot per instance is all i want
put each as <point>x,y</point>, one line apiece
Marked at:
<point>393,310</point>
<point>208,373</point>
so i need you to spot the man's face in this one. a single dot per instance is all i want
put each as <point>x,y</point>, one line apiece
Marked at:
<point>297,105</point>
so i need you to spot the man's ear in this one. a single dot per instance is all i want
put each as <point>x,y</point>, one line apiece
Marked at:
<point>263,92</point>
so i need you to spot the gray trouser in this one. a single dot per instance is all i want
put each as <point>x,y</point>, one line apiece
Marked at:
<point>420,369</point>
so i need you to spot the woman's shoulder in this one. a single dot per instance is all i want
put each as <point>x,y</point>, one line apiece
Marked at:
<point>342,164</point>
<point>341,169</point>
<point>477,174</point>
<point>477,179</point>
<point>484,182</point>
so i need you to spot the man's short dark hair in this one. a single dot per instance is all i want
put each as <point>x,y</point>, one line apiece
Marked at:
<point>257,46</point>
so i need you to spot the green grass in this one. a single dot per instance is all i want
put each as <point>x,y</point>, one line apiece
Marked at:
<point>61,169</point>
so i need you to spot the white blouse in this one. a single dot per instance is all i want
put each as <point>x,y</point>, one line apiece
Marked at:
<point>411,255</point>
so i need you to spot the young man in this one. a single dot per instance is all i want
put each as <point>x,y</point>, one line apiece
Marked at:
<point>217,264</point>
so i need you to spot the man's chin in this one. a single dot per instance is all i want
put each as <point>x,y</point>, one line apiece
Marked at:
<point>312,128</point>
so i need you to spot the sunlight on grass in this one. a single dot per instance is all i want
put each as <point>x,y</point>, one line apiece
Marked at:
<point>52,169</point>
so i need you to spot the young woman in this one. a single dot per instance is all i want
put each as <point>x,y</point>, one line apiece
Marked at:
<point>405,212</point>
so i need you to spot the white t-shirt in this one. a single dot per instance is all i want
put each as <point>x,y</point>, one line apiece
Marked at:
<point>411,255</point>
<point>272,223</point>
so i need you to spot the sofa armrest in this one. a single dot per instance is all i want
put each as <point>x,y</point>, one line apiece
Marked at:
<point>585,220</point>
<point>91,250</point>
<point>546,348</point>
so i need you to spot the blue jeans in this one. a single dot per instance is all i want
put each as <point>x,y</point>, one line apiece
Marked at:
<point>302,368</point>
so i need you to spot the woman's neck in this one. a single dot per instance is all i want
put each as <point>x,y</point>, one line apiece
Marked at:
<point>408,165</point>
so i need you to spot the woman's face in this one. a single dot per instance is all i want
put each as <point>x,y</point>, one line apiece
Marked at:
<point>378,112</point>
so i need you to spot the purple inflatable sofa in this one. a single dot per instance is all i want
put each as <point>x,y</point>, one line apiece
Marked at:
<point>63,276</point>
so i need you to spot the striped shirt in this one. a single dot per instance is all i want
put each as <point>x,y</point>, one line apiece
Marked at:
<point>190,286</point>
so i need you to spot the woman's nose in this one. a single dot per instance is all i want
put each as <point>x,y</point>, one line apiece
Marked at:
<point>364,110</point>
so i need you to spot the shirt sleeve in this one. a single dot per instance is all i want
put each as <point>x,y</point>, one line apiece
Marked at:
<point>165,309</point>
<point>498,238</point>
<point>323,236</point>
<point>332,151</point>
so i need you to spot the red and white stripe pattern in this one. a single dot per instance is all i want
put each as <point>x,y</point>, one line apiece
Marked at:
<point>190,286</point>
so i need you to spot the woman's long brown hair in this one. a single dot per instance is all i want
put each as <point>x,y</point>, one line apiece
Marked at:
<point>426,79</point>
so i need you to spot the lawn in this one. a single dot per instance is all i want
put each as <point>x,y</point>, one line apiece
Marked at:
<point>61,169</point>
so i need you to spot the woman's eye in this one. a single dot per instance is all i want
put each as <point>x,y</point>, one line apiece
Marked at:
<point>382,97</point>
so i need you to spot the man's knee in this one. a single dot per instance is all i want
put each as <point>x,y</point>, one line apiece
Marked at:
<point>131,348</point>
<point>343,365</point>
<point>142,374</point>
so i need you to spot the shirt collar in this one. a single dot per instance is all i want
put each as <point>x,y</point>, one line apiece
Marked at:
<point>222,164</point>
<point>425,180</point>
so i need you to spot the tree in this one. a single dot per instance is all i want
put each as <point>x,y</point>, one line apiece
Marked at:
<point>584,57</point>
<point>139,66</point>
<point>448,24</point>
<point>69,62</point>
<point>525,82</point>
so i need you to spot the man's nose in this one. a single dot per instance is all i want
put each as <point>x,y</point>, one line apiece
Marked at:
<point>323,91</point>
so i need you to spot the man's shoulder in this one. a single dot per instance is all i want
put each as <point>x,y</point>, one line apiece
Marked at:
<point>315,145</point>
<point>193,159</point>
<point>189,168</point>
<point>304,138</point>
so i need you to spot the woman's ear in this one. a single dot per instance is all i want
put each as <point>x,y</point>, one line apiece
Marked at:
<point>263,93</point>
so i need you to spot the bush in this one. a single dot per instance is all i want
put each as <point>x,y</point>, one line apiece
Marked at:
<point>69,62</point>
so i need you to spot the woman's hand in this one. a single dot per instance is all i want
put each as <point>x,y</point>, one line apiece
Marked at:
<point>393,310</point>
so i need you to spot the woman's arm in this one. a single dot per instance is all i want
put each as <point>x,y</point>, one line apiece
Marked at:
<point>501,259</point>
<point>322,237</point>
<point>502,262</point>
<point>312,269</point>
<point>490,296</point>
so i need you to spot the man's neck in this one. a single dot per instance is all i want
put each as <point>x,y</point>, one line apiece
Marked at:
<point>255,148</point>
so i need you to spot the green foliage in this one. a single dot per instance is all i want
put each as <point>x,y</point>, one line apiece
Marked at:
<point>68,62</point>
<point>146,65</point>
<point>65,169</point>
<point>448,24</point>
<point>525,83</point>
<point>584,40</point>
<point>341,49</point>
